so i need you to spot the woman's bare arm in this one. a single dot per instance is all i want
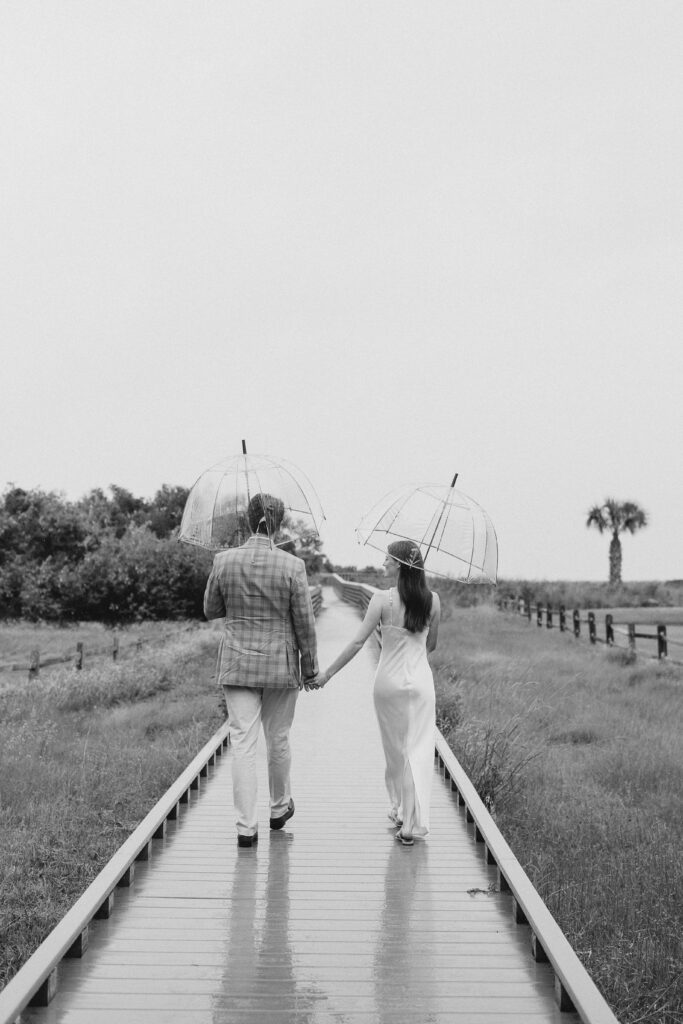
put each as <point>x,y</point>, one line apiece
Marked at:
<point>434,620</point>
<point>372,618</point>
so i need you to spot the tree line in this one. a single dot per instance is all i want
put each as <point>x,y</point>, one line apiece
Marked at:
<point>110,557</point>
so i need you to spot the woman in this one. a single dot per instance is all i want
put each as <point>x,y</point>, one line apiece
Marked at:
<point>408,617</point>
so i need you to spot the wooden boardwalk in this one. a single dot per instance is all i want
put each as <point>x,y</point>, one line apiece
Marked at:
<point>329,921</point>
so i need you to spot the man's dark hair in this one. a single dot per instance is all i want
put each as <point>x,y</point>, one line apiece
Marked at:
<point>265,514</point>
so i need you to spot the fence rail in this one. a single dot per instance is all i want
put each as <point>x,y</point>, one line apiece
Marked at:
<point>572,621</point>
<point>575,990</point>
<point>77,657</point>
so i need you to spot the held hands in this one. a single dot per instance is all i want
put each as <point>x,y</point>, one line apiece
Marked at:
<point>316,682</point>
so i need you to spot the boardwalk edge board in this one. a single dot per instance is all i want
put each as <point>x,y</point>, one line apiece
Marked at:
<point>575,990</point>
<point>36,982</point>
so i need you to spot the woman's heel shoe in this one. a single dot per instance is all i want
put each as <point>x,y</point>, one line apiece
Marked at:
<point>404,840</point>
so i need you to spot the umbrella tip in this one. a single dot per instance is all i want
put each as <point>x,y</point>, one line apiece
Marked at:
<point>244,447</point>
<point>452,484</point>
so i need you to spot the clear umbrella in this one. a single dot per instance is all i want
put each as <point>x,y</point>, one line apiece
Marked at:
<point>215,515</point>
<point>455,535</point>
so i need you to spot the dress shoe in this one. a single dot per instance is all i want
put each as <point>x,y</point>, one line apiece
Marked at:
<point>244,841</point>
<point>276,823</point>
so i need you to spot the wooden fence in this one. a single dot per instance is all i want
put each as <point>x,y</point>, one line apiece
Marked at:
<point>77,657</point>
<point>36,662</point>
<point>572,621</point>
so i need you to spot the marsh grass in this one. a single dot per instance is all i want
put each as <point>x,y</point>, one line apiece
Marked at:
<point>578,754</point>
<point>83,758</point>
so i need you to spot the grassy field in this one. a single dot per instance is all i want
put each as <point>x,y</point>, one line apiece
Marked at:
<point>577,751</point>
<point>83,757</point>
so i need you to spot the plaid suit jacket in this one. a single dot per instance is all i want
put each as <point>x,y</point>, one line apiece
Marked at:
<point>269,636</point>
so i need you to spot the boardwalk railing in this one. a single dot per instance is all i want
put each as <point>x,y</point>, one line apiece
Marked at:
<point>316,598</point>
<point>572,621</point>
<point>574,988</point>
<point>35,983</point>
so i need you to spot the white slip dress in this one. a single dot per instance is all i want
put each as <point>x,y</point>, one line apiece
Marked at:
<point>405,707</point>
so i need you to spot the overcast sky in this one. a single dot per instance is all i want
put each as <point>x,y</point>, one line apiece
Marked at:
<point>388,241</point>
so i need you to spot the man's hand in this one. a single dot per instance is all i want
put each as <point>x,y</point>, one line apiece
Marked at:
<point>311,682</point>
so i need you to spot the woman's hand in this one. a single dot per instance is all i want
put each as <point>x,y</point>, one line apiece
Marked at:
<point>322,679</point>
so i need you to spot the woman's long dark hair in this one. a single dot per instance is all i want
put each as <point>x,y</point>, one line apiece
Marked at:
<point>411,585</point>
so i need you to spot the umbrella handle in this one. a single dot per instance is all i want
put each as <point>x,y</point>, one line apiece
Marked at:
<point>452,482</point>
<point>244,447</point>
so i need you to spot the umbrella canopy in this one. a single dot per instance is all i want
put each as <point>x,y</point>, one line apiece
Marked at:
<point>455,535</point>
<point>215,515</point>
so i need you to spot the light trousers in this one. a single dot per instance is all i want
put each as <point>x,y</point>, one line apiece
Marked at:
<point>248,709</point>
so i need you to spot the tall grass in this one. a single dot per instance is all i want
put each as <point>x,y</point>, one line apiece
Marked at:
<point>83,757</point>
<point>577,752</point>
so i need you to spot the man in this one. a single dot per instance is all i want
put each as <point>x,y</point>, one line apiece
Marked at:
<point>267,653</point>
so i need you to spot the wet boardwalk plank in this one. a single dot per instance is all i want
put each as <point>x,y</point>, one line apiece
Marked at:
<point>329,920</point>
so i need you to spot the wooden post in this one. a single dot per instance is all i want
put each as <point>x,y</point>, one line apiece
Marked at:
<point>528,611</point>
<point>106,909</point>
<point>609,631</point>
<point>34,665</point>
<point>128,876</point>
<point>632,636</point>
<point>79,946</point>
<point>115,648</point>
<point>537,951</point>
<point>562,997</point>
<point>549,616</point>
<point>146,851</point>
<point>662,644</point>
<point>539,614</point>
<point>518,915</point>
<point>576,621</point>
<point>46,992</point>
<point>78,660</point>
<point>591,626</point>
<point>563,618</point>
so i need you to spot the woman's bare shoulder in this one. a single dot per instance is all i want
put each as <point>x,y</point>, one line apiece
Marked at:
<point>380,600</point>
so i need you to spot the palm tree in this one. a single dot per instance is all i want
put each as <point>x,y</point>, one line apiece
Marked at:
<point>616,516</point>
